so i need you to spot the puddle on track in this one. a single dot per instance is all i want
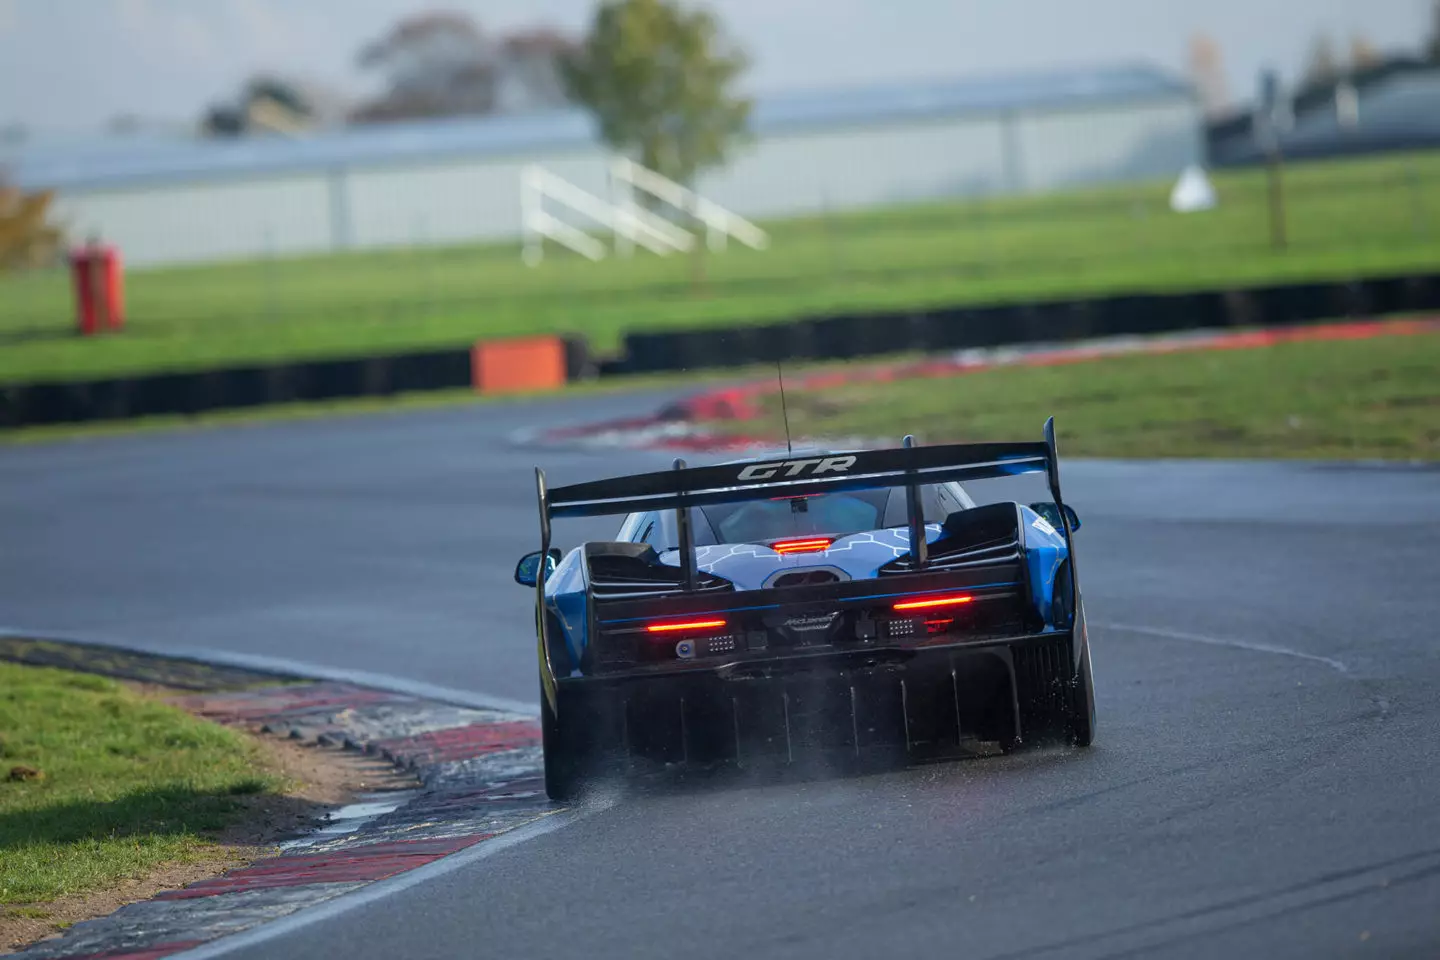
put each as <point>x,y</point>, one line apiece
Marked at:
<point>352,817</point>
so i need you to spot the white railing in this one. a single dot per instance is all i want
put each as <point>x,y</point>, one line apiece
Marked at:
<point>627,176</point>
<point>538,224</point>
<point>628,221</point>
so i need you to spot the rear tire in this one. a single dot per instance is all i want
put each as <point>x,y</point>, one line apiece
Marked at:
<point>562,763</point>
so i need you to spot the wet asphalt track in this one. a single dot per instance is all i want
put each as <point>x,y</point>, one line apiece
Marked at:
<point>1266,780</point>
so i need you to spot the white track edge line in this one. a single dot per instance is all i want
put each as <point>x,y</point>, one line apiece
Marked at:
<point>1253,647</point>
<point>381,889</point>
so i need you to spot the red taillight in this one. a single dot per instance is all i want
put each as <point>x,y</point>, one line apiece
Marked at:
<point>934,602</point>
<point>684,625</point>
<point>810,545</point>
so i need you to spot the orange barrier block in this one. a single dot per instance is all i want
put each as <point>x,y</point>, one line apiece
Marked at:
<point>510,366</point>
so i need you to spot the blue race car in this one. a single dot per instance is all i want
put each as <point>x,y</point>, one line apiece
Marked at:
<point>811,605</point>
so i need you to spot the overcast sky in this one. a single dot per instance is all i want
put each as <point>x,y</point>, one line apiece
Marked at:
<point>73,64</point>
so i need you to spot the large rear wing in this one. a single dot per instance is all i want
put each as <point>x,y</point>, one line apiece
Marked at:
<point>909,466</point>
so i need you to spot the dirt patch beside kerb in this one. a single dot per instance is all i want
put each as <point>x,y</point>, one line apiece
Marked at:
<point>319,780</point>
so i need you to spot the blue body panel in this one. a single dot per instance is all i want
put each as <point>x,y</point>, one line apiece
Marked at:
<point>751,566</point>
<point>565,598</point>
<point>1045,551</point>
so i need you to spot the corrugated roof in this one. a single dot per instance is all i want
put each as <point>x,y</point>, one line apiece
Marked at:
<point>105,164</point>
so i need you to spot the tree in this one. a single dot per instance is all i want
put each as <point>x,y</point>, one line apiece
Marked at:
<point>659,79</point>
<point>283,93</point>
<point>532,70</point>
<point>1363,53</point>
<point>273,103</point>
<point>27,236</point>
<point>442,64</point>
<point>436,64</point>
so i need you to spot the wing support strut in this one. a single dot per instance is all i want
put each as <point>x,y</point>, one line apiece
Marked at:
<point>687,538</point>
<point>919,546</point>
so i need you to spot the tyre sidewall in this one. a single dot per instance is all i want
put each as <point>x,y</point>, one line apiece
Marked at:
<point>562,774</point>
<point>1082,707</point>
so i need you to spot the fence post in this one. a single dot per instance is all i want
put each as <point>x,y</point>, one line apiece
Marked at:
<point>1012,152</point>
<point>532,243</point>
<point>419,242</point>
<point>622,197</point>
<point>1275,168</point>
<point>272,292</point>
<point>340,239</point>
<point>1417,201</point>
<point>827,224</point>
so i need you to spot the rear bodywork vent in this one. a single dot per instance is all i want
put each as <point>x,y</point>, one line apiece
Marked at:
<point>632,571</point>
<point>980,537</point>
<point>805,578</point>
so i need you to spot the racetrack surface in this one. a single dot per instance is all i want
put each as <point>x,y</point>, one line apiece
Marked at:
<point>1265,780</point>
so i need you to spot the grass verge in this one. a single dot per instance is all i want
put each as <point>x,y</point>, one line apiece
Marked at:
<point>99,784</point>
<point>1358,399</point>
<point>1345,219</point>
<point>398,403</point>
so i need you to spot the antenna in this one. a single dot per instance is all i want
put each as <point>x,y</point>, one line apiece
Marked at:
<point>784,409</point>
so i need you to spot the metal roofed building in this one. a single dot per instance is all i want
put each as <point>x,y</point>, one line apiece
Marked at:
<point>458,180</point>
<point>1395,106</point>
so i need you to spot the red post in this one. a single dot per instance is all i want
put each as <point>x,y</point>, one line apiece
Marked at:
<point>112,287</point>
<point>99,276</point>
<point>86,313</point>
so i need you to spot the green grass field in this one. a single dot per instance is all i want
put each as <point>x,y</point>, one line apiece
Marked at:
<point>1341,400</point>
<point>128,784</point>
<point>1346,219</point>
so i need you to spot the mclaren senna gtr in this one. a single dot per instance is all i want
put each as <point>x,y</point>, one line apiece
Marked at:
<point>810,604</point>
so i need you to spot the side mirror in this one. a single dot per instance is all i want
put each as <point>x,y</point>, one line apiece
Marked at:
<point>1051,513</point>
<point>527,571</point>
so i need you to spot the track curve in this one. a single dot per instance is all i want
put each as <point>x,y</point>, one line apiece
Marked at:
<point>1264,782</point>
